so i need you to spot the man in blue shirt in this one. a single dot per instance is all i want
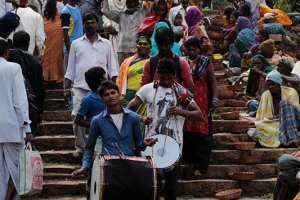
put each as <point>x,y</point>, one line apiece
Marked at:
<point>118,127</point>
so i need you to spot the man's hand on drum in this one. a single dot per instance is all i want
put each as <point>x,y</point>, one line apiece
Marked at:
<point>150,141</point>
<point>146,119</point>
<point>80,172</point>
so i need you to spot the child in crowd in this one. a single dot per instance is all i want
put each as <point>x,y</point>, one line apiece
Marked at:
<point>226,17</point>
<point>91,104</point>
<point>178,27</point>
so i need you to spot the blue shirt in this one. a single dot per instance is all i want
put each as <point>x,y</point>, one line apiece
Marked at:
<point>71,19</point>
<point>127,140</point>
<point>91,105</point>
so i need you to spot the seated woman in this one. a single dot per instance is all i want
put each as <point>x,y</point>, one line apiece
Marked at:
<point>244,41</point>
<point>287,183</point>
<point>278,114</point>
<point>227,13</point>
<point>159,12</point>
<point>154,50</point>
<point>261,35</point>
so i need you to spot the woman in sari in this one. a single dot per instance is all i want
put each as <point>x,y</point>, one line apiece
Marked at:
<point>52,61</point>
<point>154,50</point>
<point>244,41</point>
<point>196,28</point>
<point>198,139</point>
<point>159,12</point>
<point>130,73</point>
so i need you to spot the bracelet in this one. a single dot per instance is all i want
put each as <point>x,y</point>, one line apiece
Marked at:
<point>215,100</point>
<point>67,90</point>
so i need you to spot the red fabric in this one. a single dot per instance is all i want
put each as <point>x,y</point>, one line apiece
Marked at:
<point>201,96</point>
<point>148,24</point>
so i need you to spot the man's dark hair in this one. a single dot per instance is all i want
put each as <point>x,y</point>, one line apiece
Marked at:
<point>21,40</point>
<point>228,10</point>
<point>94,77</point>
<point>192,41</point>
<point>166,66</point>
<point>246,9</point>
<point>164,34</point>
<point>264,33</point>
<point>106,85</point>
<point>3,46</point>
<point>89,16</point>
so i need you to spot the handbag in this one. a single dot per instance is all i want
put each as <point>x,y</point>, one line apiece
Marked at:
<point>30,171</point>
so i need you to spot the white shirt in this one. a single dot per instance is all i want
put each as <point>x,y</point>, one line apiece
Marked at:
<point>4,7</point>
<point>296,69</point>
<point>85,55</point>
<point>33,24</point>
<point>180,9</point>
<point>13,103</point>
<point>112,5</point>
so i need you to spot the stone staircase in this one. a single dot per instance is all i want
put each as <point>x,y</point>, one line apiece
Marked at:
<point>56,145</point>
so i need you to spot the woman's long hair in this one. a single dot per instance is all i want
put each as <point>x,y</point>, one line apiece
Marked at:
<point>50,9</point>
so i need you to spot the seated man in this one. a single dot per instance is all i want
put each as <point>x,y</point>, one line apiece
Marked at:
<point>270,23</point>
<point>277,118</point>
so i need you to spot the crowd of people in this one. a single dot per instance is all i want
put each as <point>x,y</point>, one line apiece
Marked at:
<point>134,70</point>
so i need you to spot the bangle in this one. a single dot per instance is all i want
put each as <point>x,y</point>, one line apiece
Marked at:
<point>67,90</point>
<point>215,100</point>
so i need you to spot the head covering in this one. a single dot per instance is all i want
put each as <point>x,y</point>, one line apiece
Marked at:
<point>269,16</point>
<point>267,48</point>
<point>274,76</point>
<point>173,16</point>
<point>192,17</point>
<point>285,163</point>
<point>242,23</point>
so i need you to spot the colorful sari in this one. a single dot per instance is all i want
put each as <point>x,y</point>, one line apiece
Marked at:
<point>256,84</point>
<point>52,61</point>
<point>268,129</point>
<point>244,41</point>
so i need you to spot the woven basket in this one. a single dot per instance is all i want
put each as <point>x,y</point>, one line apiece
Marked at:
<point>236,87</point>
<point>248,160</point>
<point>242,176</point>
<point>225,94</point>
<point>230,115</point>
<point>236,103</point>
<point>244,145</point>
<point>229,194</point>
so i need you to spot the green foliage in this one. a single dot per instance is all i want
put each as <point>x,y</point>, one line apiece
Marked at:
<point>283,5</point>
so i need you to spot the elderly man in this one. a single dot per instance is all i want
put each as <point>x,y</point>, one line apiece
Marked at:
<point>277,118</point>
<point>14,125</point>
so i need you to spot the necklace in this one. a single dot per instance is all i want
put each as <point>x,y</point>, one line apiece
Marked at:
<point>192,61</point>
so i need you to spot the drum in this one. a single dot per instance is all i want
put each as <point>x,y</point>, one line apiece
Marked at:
<point>115,178</point>
<point>165,153</point>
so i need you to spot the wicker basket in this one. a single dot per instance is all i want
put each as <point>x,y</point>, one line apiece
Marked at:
<point>230,115</point>
<point>248,160</point>
<point>236,103</point>
<point>242,176</point>
<point>236,87</point>
<point>225,94</point>
<point>229,194</point>
<point>244,145</point>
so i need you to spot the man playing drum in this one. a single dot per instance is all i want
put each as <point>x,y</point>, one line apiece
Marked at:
<point>168,104</point>
<point>119,129</point>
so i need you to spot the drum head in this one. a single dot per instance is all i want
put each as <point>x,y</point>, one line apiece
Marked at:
<point>165,152</point>
<point>95,180</point>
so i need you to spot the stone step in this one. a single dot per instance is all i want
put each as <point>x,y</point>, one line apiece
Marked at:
<point>59,168</point>
<point>54,94</point>
<point>59,115</point>
<point>219,126</point>
<point>55,128</point>
<point>229,109</point>
<point>66,142</point>
<point>53,86</point>
<point>201,188</point>
<point>54,104</point>
<point>62,176</point>
<point>218,157</point>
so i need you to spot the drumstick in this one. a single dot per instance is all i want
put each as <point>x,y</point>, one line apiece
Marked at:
<point>164,146</point>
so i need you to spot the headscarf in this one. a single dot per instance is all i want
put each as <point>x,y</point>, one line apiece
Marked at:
<point>253,79</point>
<point>274,76</point>
<point>148,23</point>
<point>154,50</point>
<point>242,23</point>
<point>285,164</point>
<point>192,17</point>
<point>267,48</point>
